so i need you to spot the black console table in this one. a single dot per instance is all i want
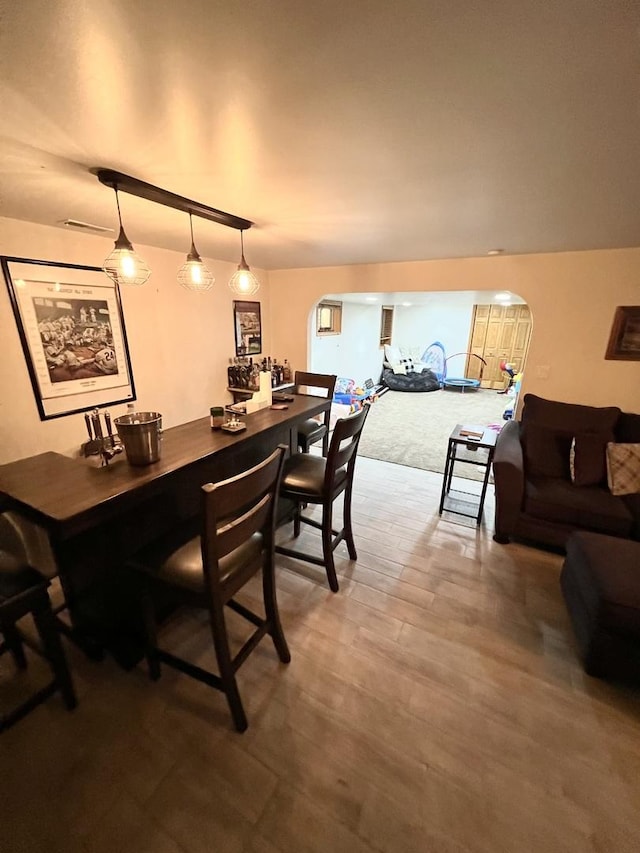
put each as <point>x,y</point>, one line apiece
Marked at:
<point>476,440</point>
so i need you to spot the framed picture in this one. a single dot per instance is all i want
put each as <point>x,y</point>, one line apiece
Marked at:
<point>248,328</point>
<point>71,327</point>
<point>624,340</point>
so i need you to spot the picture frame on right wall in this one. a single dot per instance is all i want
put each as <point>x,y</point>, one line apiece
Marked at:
<point>624,340</point>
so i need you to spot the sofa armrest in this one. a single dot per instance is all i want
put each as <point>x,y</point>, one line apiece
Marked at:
<point>508,475</point>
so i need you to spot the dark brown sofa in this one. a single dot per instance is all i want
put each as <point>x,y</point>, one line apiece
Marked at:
<point>536,497</point>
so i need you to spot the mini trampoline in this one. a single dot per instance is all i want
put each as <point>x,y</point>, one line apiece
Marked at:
<point>462,384</point>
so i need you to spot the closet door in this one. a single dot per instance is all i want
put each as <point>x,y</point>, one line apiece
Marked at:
<point>479,326</point>
<point>498,333</point>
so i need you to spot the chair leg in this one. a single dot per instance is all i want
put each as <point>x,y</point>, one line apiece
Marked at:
<point>325,444</point>
<point>272,613</point>
<point>14,644</point>
<point>327,542</point>
<point>47,629</point>
<point>150,633</point>
<point>348,530</point>
<point>225,665</point>
<point>296,520</point>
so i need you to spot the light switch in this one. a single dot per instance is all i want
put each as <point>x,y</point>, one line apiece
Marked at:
<point>543,371</point>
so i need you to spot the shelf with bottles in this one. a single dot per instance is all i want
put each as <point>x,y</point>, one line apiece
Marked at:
<point>243,375</point>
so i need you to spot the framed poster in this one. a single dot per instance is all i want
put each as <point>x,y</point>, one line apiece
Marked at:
<point>624,339</point>
<point>248,328</point>
<point>71,327</point>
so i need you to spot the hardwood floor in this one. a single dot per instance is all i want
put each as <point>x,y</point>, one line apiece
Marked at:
<point>435,704</point>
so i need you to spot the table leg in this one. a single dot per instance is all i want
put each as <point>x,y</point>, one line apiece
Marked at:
<point>446,478</point>
<point>485,483</point>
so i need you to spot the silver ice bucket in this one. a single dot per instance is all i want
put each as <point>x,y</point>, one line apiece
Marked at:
<point>141,433</point>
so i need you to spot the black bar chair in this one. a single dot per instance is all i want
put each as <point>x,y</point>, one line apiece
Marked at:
<point>236,542</point>
<point>29,543</point>
<point>311,430</point>
<point>315,480</point>
<point>22,591</point>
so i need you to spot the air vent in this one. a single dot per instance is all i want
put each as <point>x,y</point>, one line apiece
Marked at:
<point>85,226</point>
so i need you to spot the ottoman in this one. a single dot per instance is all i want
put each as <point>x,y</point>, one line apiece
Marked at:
<point>600,582</point>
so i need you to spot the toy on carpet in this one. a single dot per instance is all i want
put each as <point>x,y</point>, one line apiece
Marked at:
<point>509,369</point>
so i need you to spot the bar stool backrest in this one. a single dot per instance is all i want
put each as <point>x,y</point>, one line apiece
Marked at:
<point>344,445</point>
<point>236,509</point>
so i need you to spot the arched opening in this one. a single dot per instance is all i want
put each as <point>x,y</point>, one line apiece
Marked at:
<point>483,338</point>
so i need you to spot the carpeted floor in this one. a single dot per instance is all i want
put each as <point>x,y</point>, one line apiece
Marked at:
<point>413,429</point>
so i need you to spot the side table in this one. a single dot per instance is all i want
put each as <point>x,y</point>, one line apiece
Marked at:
<point>473,439</point>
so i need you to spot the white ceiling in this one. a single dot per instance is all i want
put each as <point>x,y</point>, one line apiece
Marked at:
<point>350,132</point>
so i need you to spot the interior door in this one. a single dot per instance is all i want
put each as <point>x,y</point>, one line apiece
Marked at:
<point>498,333</point>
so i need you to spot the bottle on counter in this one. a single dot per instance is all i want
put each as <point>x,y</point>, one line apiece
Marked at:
<point>286,371</point>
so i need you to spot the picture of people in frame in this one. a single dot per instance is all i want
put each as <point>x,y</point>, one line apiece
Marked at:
<point>76,338</point>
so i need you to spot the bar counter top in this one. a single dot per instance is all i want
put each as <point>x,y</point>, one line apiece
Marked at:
<point>61,491</point>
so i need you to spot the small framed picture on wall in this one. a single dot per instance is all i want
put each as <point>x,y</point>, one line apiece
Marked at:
<point>248,328</point>
<point>624,340</point>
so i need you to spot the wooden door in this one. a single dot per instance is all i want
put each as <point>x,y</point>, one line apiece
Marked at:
<point>498,333</point>
<point>479,327</point>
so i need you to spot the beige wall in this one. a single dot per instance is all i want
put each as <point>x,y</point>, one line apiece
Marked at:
<point>180,342</point>
<point>572,296</point>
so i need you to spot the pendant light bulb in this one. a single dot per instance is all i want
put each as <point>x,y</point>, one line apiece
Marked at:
<point>123,265</point>
<point>193,274</point>
<point>243,282</point>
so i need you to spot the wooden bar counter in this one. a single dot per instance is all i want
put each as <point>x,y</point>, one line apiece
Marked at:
<point>97,517</point>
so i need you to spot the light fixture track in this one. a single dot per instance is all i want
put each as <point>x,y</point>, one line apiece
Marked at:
<point>134,186</point>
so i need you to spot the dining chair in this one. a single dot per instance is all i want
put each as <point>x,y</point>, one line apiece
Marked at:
<point>29,543</point>
<point>315,480</point>
<point>235,542</point>
<point>23,591</point>
<point>312,430</point>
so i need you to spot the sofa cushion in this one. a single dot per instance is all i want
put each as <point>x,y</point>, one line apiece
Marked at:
<point>627,429</point>
<point>548,427</point>
<point>560,501</point>
<point>546,451</point>
<point>569,417</point>
<point>623,468</point>
<point>590,458</point>
<point>632,503</point>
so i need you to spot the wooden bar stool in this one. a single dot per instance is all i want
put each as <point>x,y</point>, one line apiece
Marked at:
<point>315,480</point>
<point>23,590</point>
<point>311,430</point>
<point>235,543</point>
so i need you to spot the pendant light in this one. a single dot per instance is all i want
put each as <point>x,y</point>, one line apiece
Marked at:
<point>193,274</point>
<point>243,282</point>
<point>123,265</point>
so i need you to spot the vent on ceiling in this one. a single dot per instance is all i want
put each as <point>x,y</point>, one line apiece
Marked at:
<point>85,226</point>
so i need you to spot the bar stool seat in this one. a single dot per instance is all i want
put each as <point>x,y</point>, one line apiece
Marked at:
<point>23,590</point>
<point>183,565</point>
